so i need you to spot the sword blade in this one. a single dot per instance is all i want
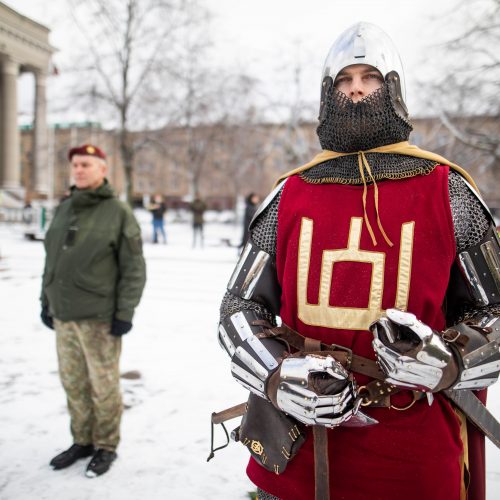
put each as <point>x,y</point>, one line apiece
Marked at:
<point>476,413</point>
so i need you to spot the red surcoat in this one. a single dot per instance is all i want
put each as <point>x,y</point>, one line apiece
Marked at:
<point>331,274</point>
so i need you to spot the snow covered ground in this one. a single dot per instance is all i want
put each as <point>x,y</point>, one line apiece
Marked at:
<point>165,430</point>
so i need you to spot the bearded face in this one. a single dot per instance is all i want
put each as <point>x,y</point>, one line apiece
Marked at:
<point>347,126</point>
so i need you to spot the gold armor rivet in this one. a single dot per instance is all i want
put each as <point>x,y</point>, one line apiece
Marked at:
<point>256,447</point>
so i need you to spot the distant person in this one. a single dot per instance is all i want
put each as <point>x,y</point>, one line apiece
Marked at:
<point>158,210</point>
<point>251,203</point>
<point>28,212</point>
<point>198,207</point>
<point>92,282</point>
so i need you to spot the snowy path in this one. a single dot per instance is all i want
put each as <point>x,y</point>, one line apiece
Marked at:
<point>165,432</point>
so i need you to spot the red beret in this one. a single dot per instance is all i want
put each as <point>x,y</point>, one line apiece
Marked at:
<point>86,149</point>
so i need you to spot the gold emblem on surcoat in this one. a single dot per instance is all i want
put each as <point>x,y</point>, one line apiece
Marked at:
<point>322,313</point>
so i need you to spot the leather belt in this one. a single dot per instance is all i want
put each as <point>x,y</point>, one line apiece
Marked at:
<point>379,393</point>
<point>376,393</point>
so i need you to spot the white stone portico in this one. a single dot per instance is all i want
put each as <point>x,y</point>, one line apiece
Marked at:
<point>24,47</point>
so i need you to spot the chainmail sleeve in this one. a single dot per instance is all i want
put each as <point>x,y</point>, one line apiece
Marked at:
<point>471,223</point>
<point>470,220</point>
<point>264,233</point>
<point>265,229</point>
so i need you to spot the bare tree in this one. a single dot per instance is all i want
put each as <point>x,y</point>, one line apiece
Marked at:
<point>466,85</point>
<point>292,109</point>
<point>127,67</point>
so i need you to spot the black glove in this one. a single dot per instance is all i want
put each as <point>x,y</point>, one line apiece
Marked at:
<point>119,327</point>
<point>47,319</point>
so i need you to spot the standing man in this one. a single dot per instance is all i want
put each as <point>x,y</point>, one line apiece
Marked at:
<point>198,207</point>
<point>92,282</point>
<point>374,251</point>
<point>158,210</point>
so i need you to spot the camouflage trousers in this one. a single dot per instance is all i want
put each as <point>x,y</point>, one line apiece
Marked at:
<point>89,359</point>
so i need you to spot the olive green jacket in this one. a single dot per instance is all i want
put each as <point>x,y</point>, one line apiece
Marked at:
<point>94,267</point>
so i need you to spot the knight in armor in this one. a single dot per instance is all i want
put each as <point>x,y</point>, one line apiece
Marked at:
<point>365,305</point>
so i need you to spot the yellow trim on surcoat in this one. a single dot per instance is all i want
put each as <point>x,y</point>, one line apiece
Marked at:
<point>464,457</point>
<point>401,148</point>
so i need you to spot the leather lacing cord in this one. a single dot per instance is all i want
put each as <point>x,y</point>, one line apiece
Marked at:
<point>363,163</point>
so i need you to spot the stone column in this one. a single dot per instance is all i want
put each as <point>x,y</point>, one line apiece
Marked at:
<point>11,176</point>
<point>40,147</point>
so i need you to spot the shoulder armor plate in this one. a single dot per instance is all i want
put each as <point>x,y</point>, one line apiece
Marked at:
<point>255,278</point>
<point>267,201</point>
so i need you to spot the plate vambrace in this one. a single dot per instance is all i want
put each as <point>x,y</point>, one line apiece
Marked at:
<point>477,350</point>
<point>254,358</point>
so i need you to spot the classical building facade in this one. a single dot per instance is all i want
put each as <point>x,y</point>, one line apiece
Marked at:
<point>24,47</point>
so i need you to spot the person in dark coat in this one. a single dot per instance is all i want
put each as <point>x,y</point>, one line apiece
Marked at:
<point>198,207</point>
<point>251,203</point>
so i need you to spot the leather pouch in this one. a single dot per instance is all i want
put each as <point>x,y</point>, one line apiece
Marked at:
<point>272,437</point>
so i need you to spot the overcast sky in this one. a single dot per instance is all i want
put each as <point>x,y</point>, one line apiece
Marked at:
<point>261,36</point>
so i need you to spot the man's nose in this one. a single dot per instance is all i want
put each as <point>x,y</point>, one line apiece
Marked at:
<point>357,90</point>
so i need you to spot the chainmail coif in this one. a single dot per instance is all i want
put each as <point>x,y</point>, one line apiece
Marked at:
<point>348,126</point>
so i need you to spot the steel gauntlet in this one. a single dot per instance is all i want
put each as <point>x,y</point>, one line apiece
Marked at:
<point>414,356</point>
<point>411,354</point>
<point>315,389</point>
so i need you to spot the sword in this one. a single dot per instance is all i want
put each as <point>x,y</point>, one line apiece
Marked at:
<point>476,413</point>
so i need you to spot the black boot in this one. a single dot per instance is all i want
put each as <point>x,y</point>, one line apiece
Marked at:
<point>100,463</point>
<point>71,455</point>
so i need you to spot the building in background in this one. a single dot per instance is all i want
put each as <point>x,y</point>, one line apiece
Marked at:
<point>222,162</point>
<point>229,163</point>
<point>24,47</point>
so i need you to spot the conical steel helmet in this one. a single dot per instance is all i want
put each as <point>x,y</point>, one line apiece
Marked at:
<point>364,43</point>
